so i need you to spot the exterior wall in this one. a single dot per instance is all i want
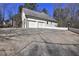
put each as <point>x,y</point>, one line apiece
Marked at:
<point>35,23</point>
<point>24,20</point>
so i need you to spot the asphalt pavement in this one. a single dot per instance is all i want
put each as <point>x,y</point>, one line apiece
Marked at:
<point>38,42</point>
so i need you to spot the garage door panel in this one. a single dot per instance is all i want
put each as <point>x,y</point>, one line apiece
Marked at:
<point>41,25</point>
<point>32,24</point>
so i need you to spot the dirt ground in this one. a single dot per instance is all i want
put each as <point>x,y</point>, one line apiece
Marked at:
<point>38,42</point>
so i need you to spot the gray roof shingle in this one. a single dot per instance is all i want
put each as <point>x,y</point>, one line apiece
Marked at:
<point>38,15</point>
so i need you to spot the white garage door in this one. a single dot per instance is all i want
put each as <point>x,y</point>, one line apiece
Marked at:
<point>41,24</point>
<point>32,24</point>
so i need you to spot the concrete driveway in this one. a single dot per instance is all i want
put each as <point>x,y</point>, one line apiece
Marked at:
<point>38,42</point>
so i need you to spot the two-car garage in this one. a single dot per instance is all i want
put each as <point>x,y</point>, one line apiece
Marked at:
<point>33,19</point>
<point>33,23</point>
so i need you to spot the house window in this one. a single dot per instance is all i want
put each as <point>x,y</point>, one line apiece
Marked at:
<point>47,22</point>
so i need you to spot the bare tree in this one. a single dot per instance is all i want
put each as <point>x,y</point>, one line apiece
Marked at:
<point>45,11</point>
<point>4,6</point>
